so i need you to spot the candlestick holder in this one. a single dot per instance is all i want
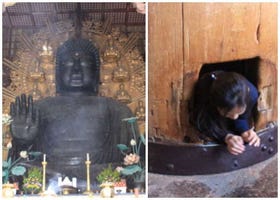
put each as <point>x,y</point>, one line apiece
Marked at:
<point>88,190</point>
<point>43,192</point>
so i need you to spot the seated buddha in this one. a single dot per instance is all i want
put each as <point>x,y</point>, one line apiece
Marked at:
<point>111,54</point>
<point>74,122</point>
<point>140,111</point>
<point>120,74</point>
<point>122,95</point>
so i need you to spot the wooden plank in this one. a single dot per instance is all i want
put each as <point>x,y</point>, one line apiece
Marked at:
<point>219,32</point>
<point>165,61</point>
<point>268,37</point>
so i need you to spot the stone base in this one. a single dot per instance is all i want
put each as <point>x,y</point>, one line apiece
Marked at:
<point>258,180</point>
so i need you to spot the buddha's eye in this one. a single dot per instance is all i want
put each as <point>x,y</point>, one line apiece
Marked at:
<point>86,63</point>
<point>68,63</point>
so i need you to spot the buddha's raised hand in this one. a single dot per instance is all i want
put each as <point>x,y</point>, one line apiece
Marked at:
<point>25,124</point>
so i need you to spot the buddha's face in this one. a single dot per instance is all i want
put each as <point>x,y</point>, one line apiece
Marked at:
<point>77,71</point>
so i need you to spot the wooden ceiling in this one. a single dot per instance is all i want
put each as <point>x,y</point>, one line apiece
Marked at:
<point>30,17</point>
<point>34,15</point>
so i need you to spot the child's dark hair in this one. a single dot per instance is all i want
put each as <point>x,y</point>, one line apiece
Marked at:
<point>219,89</point>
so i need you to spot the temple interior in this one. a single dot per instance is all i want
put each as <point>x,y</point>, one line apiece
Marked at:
<point>88,59</point>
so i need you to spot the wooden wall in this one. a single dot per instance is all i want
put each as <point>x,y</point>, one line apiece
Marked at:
<point>184,36</point>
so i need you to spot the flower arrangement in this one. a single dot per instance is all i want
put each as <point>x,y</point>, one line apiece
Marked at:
<point>33,182</point>
<point>6,119</point>
<point>13,167</point>
<point>133,165</point>
<point>108,175</point>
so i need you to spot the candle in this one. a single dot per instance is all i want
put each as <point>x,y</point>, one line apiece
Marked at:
<point>59,181</point>
<point>87,156</point>
<point>74,182</point>
<point>44,158</point>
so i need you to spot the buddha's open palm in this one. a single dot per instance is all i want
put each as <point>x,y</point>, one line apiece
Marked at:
<point>25,124</point>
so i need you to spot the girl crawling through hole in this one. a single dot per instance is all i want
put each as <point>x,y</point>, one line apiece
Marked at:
<point>221,109</point>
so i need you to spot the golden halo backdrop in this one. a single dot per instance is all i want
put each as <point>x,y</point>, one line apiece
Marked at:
<point>122,70</point>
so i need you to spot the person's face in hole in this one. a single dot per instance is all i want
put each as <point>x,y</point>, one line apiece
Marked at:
<point>233,113</point>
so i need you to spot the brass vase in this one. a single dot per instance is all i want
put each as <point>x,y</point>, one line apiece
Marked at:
<point>8,190</point>
<point>107,190</point>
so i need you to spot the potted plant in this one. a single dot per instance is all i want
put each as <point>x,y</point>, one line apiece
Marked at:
<point>33,182</point>
<point>107,177</point>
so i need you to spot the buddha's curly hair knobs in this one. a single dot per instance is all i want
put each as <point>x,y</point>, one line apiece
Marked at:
<point>80,45</point>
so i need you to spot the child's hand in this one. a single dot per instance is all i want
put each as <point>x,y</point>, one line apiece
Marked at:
<point>235,144</point>
<point>251,137</point>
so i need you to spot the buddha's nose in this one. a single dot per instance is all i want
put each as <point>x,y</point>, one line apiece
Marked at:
<point>77,66</point>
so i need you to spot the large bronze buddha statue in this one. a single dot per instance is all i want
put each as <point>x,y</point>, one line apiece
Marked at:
<point>76,121</point>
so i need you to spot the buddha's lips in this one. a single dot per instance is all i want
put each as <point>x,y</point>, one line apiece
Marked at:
<point>76,80</point>
<point>76,77</point>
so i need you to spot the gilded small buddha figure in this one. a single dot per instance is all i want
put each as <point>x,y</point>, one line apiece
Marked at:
<point>120,74</point>
<point>140,111</point>
<point>116,32</point>
<point>97,26</point>
<point>74,122</point>
<point>111,54</point>
<point>46,53</point>
<point>122,95</point>
<point>117,35</point>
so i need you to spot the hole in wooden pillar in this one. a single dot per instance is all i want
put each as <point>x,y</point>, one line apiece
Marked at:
<point>249,68</point>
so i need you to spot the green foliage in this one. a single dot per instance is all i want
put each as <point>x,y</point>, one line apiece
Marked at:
<point>35,153</point>
<point>10,168</point>
<point>34,173</point>
<point>132,166</point>
<point>108,175</point>
<point>142,138</point>
<point>18,170</point>
<point>122,147</point>
<point>5,164</point>
<point>33,182</point>
<point>131,169</point>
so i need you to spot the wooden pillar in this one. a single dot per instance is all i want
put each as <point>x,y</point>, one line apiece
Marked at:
<point>184,36</point>
<point>165,69</point>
